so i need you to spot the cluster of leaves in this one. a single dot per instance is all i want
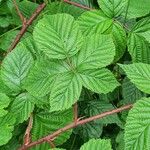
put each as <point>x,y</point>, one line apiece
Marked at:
<point>99,59</point>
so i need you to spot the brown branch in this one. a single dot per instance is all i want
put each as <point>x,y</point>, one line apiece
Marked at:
<point>51,143</point>
<point>27,138</point>
<point>73,125</point>
<point>77,5</point>
<point>25,26</point>
<point>22,18</point>
<point>75,112</point>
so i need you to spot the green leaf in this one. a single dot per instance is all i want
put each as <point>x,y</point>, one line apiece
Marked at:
<point>5,21</point>
<point>98,51</point>
<point>4,102</point>
<point>138,41</point>
<point>7,39</point>
<point>119,39</point>
<point>65,91</point>
<point>90,130</point>
<point>142,28</point>
<point>15,67</point>
<point>22,107</point>
<point>130,92</point>
<point>58,36</point>
<point>112,8</point>
<point>96,107</point>
<point>6,128</point>
<point>95,144</point>
<point>99,81</point>
<point>139,74</point>
<point>138,126</point>
<point>138,9</point>
<point>94,21</point>
<point>42,75</point>
<point>61,7</point>
<point>138,48</point>
<point>46,123</point>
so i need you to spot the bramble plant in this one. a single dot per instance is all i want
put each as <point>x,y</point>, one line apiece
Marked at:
<point>70,73</point>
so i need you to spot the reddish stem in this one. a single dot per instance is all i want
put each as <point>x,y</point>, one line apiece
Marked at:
<point>27,138</point>
<point>26,25</point>
<point>73,125</point>
<point>22,18</point>
<point>77,5</point>
<point>75,112</point>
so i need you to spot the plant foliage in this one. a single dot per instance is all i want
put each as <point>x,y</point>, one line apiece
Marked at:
<point>79,58</point>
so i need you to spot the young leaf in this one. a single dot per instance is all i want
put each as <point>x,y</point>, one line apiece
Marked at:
<point>15,67</point>
<point>6,128</point>
<point>138,126</point>
<point>98,51</point>
<point>95,144</point>
<point>58,36</point>
<point>45,123</point>
<point>41,76</point>
<point>139,74</point>
<point>112,8</point>
<point>94,21</point>
<point>22,107</point>
<point>4,102</point>
<point>65,91</point>
<point>99,80</point>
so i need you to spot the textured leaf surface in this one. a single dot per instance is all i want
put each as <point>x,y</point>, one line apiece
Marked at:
<point>22,107</point>
<point>94,22</point>
<point>138,9</point>
<point>112,8</point>
<point>98,51</point>
<point>138,48</point>
<point>46,123</point>
<point>41,76</point>
<point>96,107</point>
<point>130,92</point>
<point>139,74</point>
<point>119,39</point>
<point>138,126</point>
<point>4,102</point>
<point>58,36</point>
<point>65,91</point>
<point>138,42</point>
<point>95,144</point>
<point>6,128</point>
<point>90,130</point>
<point>15,67</point>
<point>99,81</point>
<point>61,7</point>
